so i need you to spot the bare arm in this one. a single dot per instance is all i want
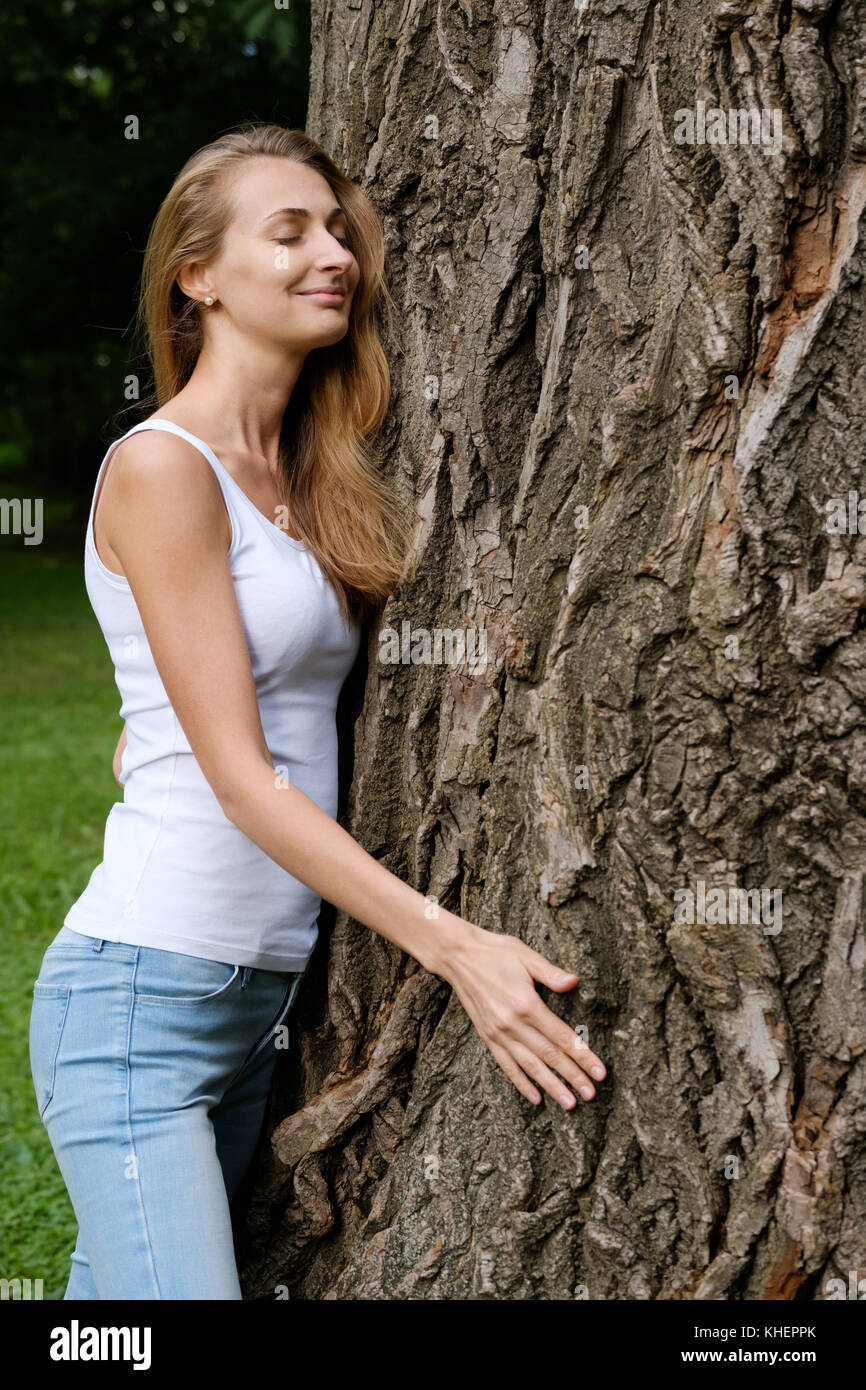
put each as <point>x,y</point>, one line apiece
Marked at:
<point>174,556</point>
<point>118,754</point>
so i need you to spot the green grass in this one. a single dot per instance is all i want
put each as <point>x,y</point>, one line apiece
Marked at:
<point>58,733</point>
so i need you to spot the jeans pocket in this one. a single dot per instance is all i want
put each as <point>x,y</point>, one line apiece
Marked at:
<point>170,977</point>
<point>276,1037</point>
<point>47,1017</point>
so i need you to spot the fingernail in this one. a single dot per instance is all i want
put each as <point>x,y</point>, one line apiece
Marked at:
<point>597,1072</point>
<point>566,1101</point>
<point>586,1092</point>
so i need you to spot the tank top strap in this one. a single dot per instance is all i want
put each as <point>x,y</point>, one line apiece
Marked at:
<point>192,439</point>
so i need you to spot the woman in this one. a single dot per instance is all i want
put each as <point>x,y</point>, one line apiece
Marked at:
<point>235,547</point>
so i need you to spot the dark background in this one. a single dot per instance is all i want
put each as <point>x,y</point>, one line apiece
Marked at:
<point>78,199</point>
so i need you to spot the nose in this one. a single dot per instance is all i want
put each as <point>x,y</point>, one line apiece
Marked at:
<point>332,253</point>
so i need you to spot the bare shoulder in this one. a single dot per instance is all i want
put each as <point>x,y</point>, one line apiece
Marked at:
<point>156,477</point>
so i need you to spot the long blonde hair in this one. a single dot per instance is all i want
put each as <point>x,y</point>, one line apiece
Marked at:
<point>341,506</point>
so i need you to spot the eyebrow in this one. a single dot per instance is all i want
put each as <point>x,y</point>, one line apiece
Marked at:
<point>301,212</point>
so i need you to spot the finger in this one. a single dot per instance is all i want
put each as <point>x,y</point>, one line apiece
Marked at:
<point>555,1030</point>
<point>513,1072</point>
<point>569,1041</point>
<point>543,970</point>
<point>560,1060</point>
<point>586,1058</point>
<point>547,1080</point>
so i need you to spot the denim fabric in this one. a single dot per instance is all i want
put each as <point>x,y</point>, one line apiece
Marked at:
<point>152,1071</point>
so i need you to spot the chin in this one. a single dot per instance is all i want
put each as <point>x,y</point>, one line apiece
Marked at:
<point>328,339</point>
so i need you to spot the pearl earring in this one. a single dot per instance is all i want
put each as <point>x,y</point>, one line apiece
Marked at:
<point>208,299</point>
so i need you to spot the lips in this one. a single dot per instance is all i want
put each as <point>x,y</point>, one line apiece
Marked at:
<point>324,292</point>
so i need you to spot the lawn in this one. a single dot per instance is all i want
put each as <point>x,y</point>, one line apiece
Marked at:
<point>58,733</point>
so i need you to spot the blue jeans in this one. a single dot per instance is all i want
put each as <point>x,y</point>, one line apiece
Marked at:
<point>152,1071</point>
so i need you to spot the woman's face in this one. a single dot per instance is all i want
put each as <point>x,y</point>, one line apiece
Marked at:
<point>286,241</point>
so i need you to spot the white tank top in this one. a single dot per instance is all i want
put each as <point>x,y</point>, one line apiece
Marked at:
<point>176,872</point>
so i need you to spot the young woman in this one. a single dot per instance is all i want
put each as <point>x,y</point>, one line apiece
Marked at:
<point>234,549</point>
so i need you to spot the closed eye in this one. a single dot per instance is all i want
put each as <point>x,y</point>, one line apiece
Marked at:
<point>285,240</point>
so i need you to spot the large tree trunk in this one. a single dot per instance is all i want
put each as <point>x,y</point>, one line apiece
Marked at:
<point>629,379</point>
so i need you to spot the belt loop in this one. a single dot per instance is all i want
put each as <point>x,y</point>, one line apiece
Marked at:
<point>245,975</point>
<point>99,943</point>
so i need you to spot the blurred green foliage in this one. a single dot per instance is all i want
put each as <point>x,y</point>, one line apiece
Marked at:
<point>77,196</point>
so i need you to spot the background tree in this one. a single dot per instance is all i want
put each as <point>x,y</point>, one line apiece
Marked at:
<point>628,382</point>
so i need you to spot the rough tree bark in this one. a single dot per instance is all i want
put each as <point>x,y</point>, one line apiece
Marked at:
<point>669,335</point>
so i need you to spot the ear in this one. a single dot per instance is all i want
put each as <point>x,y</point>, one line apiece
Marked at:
<point>193,279</point>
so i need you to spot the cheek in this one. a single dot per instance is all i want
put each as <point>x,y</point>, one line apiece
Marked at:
<point>265,279</point>
<point>274,267</point>
<point>266,266</point>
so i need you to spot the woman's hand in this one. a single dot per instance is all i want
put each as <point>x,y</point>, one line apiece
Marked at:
<point>118,754</point>
<point>493,976</point>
